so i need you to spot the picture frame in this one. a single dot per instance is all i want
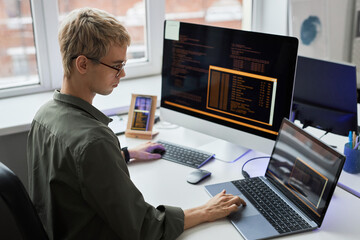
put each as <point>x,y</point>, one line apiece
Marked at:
<point>141,116</point>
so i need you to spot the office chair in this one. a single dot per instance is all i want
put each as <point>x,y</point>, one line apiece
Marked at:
<point>17,201</point>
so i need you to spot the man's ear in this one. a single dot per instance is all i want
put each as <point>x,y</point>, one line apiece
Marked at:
<point>81,64</point>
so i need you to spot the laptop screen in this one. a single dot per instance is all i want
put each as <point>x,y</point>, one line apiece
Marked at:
<point>305,169</point>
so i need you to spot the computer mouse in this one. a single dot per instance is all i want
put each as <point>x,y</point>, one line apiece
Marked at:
<point>159,151</point>
<point>197,176</point>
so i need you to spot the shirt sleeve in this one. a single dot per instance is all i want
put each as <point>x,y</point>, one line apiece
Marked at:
<point>108,189</point>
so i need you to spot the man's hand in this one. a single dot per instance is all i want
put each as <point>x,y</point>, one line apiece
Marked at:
<point>222,205</point>
<point>143,151</point>
<point>217,207</point>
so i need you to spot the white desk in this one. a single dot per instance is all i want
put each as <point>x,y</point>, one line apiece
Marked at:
<point>164,182</point>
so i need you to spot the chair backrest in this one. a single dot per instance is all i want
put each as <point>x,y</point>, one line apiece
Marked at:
<point>18,202</point>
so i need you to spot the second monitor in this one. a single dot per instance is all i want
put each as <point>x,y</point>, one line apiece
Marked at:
<point>232,84</point>
<point>325,95</point>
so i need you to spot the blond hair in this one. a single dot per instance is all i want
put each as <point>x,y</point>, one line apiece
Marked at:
<point>89,32</point>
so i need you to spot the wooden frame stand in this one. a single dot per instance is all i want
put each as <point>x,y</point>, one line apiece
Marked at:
<point>141,117</point>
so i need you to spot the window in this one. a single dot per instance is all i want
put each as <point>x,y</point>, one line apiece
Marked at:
<point>131,13</point>
<point>27,64</point>
<point>137,16</point>
<point>30,57</point>
<point>17,46</point>
<point>221,13</point>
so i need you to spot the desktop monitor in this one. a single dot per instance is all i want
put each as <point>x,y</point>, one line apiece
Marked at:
<point>325,95</point>
<point>232,84</point>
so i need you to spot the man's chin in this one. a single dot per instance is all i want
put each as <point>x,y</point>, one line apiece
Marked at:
<point>105,93</point>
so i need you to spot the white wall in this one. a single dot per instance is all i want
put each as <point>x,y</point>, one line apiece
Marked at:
<point>272,17</point>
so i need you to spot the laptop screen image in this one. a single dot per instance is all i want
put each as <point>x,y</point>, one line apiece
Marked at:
<point>305,170</point>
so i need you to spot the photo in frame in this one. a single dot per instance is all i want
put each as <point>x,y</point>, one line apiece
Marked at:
<point>141,116</point>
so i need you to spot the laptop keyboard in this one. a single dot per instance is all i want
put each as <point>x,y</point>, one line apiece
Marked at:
<point>184,155</point>
<point>283,218</point>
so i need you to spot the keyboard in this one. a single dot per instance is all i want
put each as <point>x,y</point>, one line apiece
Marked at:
<point>185,155</point>
<point>280,215</point>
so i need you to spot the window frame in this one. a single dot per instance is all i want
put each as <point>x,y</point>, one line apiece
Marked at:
<point>45,24</point>
<point>155,15</point>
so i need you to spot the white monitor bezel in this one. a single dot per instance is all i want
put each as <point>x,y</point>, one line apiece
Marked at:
<point>231,135</point>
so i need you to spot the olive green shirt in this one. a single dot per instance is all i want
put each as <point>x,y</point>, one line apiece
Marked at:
<point>80,183</point>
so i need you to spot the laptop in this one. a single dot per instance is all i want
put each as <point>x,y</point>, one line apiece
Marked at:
<point>295,192</point>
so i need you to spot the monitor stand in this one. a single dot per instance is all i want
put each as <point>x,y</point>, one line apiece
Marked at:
<point>225,151</point>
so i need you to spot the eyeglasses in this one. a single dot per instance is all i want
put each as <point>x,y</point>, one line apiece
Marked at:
<point>118,69</point>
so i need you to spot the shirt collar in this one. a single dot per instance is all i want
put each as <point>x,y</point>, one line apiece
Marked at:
<point>82,104</point>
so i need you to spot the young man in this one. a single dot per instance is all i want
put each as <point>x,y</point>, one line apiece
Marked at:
<point>79,180</point>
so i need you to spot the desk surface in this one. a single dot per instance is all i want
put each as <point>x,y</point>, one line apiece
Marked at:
<point>164,182</point>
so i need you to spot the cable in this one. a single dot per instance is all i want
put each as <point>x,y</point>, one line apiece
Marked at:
<point>327,131</point>
<point>324,134</point>
<point>243,172</point>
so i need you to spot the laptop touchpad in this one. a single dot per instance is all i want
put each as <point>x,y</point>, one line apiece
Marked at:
<point>244,211</point>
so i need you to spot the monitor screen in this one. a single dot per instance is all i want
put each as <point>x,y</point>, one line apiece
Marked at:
<point>325,95</point>
<point>232,84</point>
